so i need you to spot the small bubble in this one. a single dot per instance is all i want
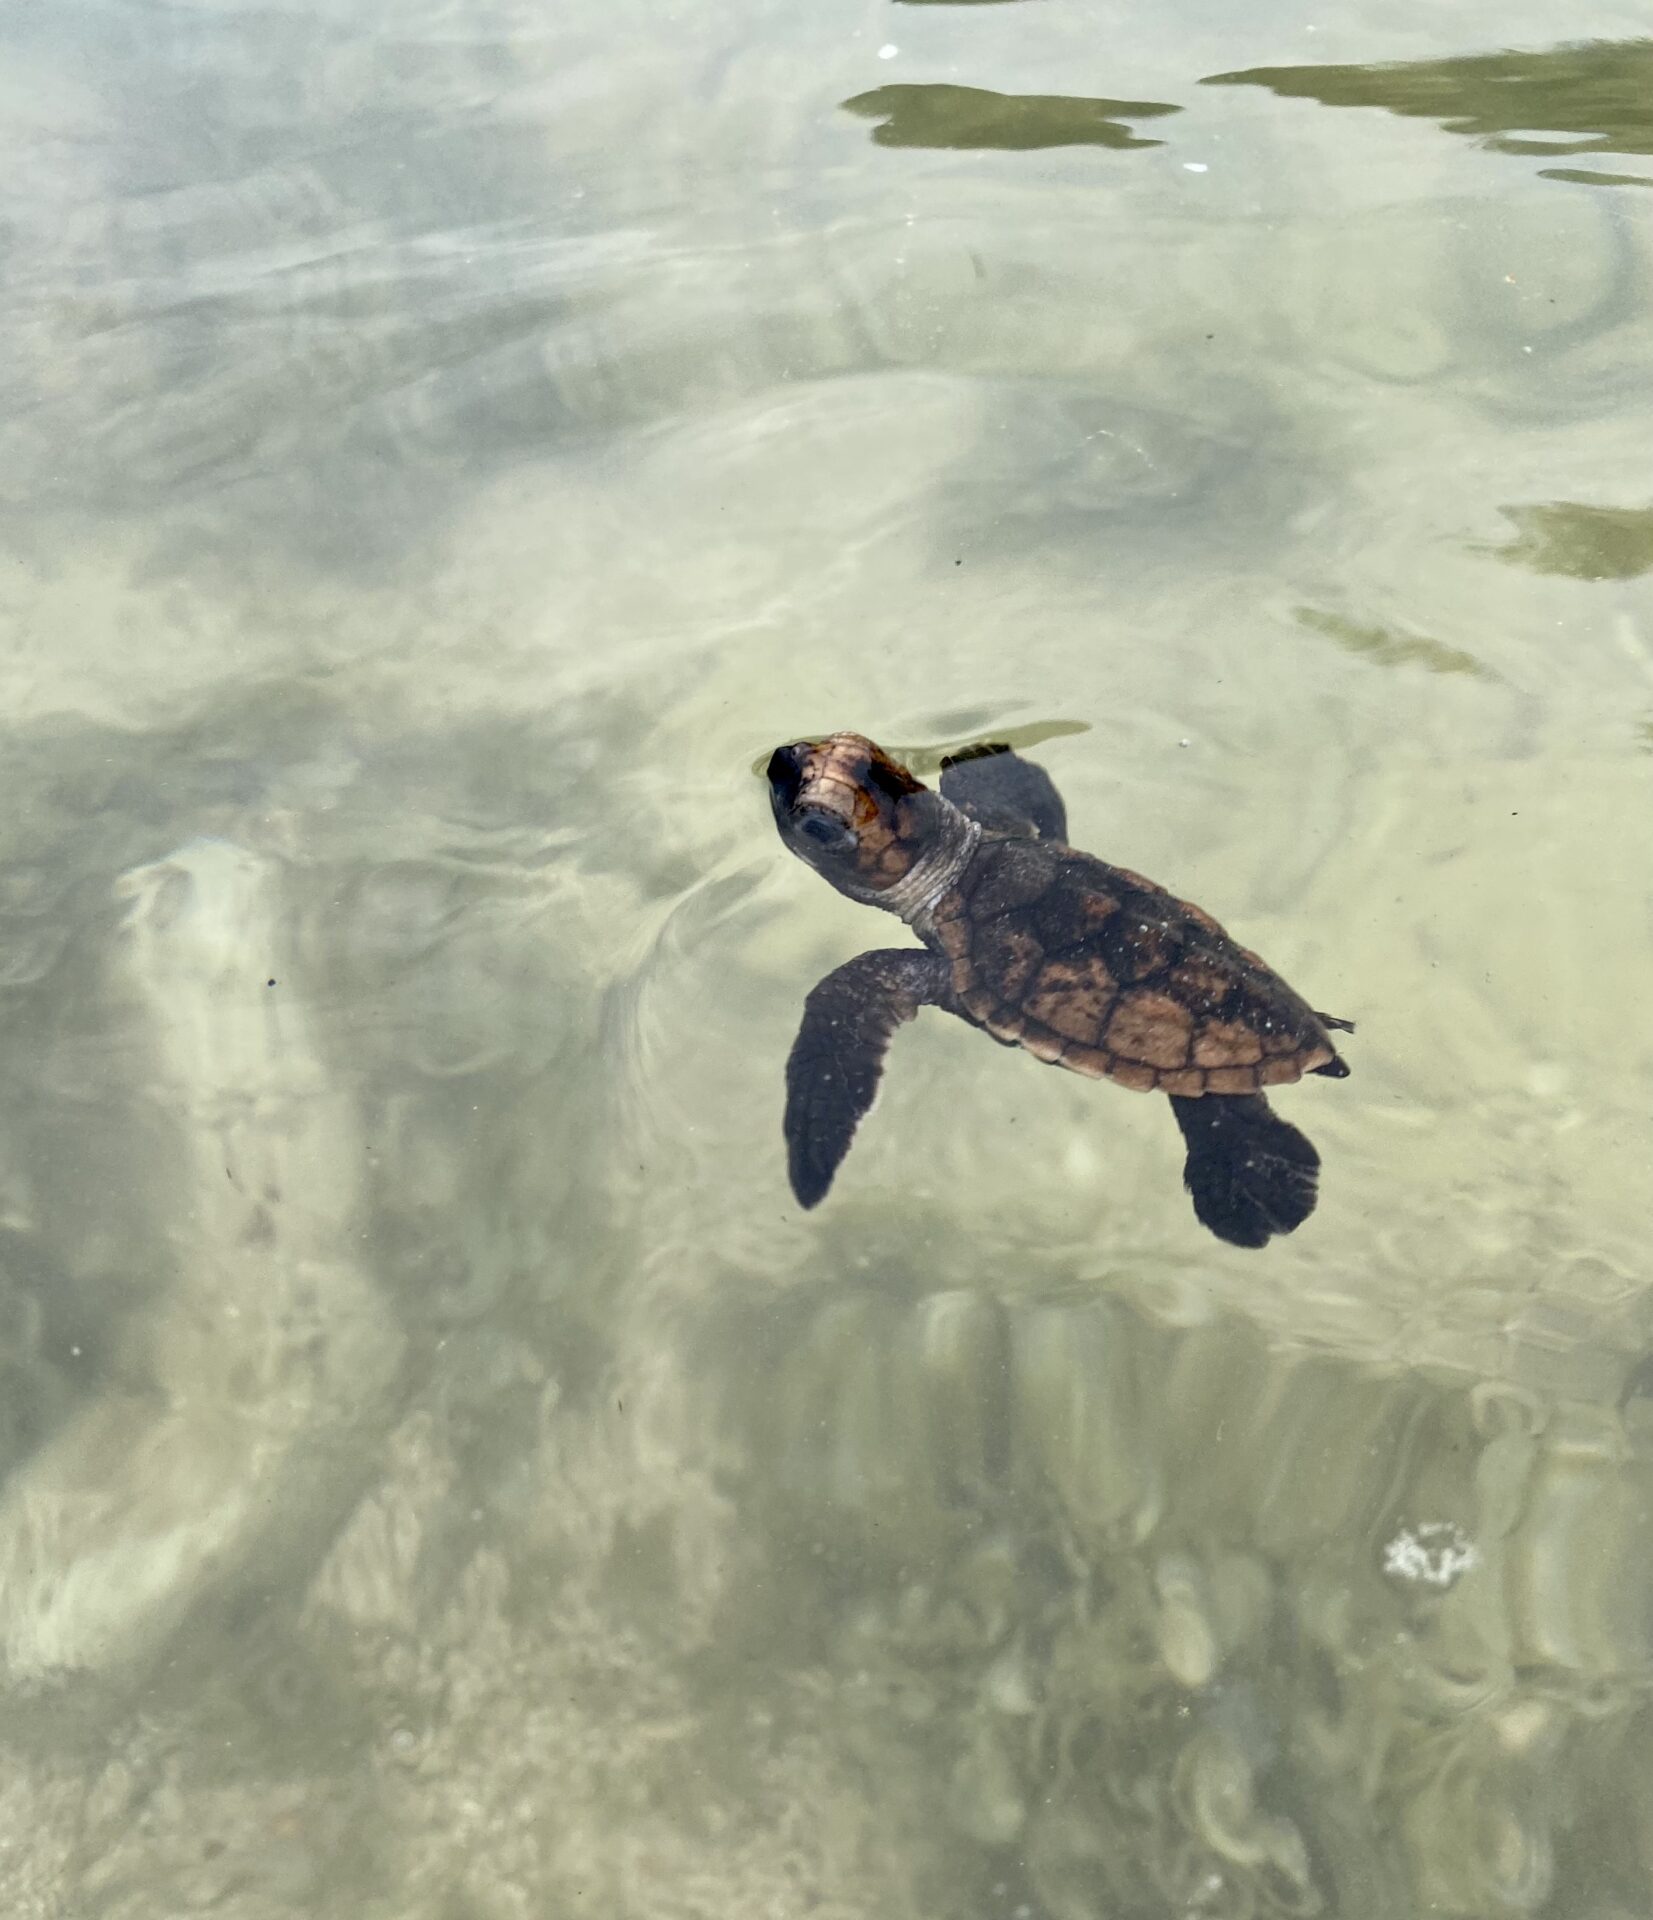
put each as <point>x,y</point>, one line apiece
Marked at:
<point>888,52</point>
<point>403,1741</point>
<point>1195,166</point>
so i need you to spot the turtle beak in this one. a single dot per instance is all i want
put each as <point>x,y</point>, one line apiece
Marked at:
<point>815,816</point>
<point>786,775</point>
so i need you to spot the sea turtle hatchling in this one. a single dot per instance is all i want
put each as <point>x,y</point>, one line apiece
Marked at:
<point>1087,966</point>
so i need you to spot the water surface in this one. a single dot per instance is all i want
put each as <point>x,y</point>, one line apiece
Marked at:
<point>443,448</point>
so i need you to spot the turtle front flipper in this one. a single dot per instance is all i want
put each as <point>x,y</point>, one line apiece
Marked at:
<point>837,1060</point>
<point>1252,1175</point>
<point>996,786</point>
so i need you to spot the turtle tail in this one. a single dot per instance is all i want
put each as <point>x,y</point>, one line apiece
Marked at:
<point>1251,1174</point>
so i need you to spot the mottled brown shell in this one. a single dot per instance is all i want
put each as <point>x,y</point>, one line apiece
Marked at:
<point>1096,969</point>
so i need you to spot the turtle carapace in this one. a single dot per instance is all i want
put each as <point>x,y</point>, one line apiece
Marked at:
<point>1087,966</point>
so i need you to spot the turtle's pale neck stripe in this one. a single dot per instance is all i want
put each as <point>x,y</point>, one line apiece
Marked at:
<point>916,893</point>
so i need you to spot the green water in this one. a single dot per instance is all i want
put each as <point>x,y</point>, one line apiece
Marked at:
<point>443,448</point>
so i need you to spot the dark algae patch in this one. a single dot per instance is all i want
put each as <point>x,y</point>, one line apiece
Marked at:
<point>1594,97</point>
<point>1583,543</point>
<point>940,115</point>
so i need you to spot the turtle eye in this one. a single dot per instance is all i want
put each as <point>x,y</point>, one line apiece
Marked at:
<point>827,833</point>
<point>893,782</point>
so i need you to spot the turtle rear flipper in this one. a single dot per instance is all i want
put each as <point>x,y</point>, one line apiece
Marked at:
<point>1252,1175</point>
<point>1336,1068</point>
<point>996,786</point>
<point>837,1060</point>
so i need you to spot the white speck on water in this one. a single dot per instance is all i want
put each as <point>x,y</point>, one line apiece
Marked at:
<point>1433,1554</point>
<point>1195,166</point>
<point>888,51</point>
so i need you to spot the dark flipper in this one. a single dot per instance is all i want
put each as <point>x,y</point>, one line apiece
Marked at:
<point>1252,1174</point>
<point>837,1059</point>
<point>996,786</point>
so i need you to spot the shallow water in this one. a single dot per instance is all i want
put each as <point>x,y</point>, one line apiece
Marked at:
<point>443,449</point>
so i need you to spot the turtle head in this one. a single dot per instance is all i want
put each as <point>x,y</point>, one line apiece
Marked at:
<point>857,817</point>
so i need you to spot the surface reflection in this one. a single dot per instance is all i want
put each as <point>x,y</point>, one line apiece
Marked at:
<point>1596,98</point>
<point>1585,543</point>
<point>946,116</point>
